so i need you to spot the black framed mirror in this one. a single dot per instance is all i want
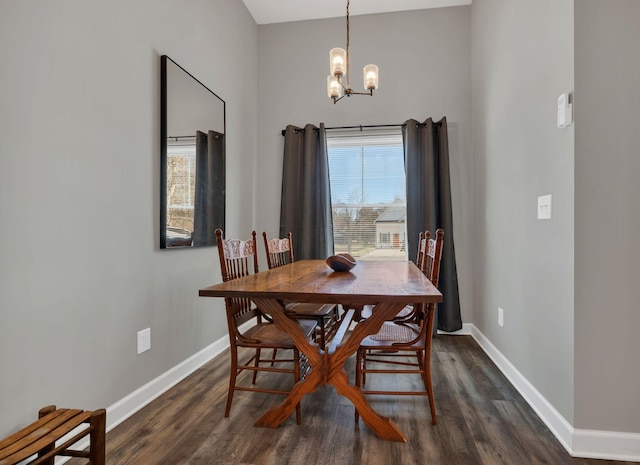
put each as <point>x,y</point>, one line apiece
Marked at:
<point>192,177</point>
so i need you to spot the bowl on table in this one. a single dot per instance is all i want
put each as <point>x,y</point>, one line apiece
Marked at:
<point>341,262</point>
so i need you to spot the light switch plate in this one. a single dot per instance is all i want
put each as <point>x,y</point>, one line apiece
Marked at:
<point>144,340</point>
<point>544,207</point>
<point>565,116</point>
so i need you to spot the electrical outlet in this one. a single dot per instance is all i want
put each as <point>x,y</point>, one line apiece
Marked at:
<point>500,317</point>
<point>144,340</point>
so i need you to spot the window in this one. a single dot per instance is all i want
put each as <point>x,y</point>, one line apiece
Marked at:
<point>181,185</point>
<point>366,172</point>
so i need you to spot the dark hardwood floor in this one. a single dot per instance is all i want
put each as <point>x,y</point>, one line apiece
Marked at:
<point>481,420</point>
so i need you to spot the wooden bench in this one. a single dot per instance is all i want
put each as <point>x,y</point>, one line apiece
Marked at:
<point>53,424</point>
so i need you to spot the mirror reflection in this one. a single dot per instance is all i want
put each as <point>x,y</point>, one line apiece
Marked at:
<point>193,159</point>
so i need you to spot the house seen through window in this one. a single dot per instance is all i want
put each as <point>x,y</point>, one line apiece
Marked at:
<point>366,171</point>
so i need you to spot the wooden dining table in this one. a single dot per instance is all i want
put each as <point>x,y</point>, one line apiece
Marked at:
<point>387,285</point>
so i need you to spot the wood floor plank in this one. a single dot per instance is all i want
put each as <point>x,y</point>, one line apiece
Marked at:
<point>482,420</point>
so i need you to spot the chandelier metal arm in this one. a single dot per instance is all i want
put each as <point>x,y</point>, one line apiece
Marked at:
<point>349,93</point>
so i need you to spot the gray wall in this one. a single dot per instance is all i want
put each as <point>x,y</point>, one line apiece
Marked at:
<point>522,60</point>
<point>424,62</point>
<point>81,271</point>
<point>607,214</point>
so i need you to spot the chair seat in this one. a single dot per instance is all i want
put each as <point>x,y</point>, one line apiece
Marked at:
<point>270,336</point>
<point>392,336</point>
<point>309,309</point>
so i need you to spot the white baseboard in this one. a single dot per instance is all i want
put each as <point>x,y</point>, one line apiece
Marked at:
<point>558,425</point>
<point>127,406</point>
<point>609,445</point>
<point>124,408</point>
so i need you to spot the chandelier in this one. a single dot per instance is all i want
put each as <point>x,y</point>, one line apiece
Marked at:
<point>339,69</point>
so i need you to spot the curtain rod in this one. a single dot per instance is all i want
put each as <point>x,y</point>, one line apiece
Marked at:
<point>437,123</point>
<point>180,137</point>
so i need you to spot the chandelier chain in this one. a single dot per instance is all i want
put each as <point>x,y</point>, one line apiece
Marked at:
<point>348,24</point>
<point>347,64</point>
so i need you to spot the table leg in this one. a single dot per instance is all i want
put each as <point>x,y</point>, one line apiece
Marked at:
<point>329,368</point>
<point>384,427</point>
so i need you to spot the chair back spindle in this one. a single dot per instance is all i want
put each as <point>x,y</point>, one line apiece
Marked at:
<point>433,256</point>
<point>422,246</point>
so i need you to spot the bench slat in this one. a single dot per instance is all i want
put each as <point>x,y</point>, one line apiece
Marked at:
<point>35,437</point>
<point>29,429</point>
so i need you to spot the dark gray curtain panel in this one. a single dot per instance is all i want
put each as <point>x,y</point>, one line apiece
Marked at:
<point>305,209</point>
<point>426,157</point>
<point>210,175</point>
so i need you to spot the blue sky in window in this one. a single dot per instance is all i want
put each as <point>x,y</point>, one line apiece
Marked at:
<point>370,174</point>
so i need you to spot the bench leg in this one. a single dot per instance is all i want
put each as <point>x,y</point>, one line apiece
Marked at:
<point>44,411</point>
<point>98,422</point>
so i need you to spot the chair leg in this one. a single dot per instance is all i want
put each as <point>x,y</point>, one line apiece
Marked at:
<point>256,363</point>
<point>320,324</point>
<point>427,366</point>
<point>296,378</point>
<point>422,367</point>
<point>233,373</point>
<point>273,357</point>
<point>425,370</point>
<point>426,376</point>
<point>364,366</point>
<point>358,377</point>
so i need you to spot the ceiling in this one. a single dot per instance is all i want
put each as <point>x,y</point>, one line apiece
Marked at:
<point>280,11</point>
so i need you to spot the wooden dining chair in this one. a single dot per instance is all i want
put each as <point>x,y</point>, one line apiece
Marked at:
<point>327,317</point>
<point>238,258</point>
<point>403,346</point>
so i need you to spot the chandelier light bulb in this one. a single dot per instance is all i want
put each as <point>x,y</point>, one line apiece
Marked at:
<point>334,89</point>
<point>337,61</point>
<point>370,74</point>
